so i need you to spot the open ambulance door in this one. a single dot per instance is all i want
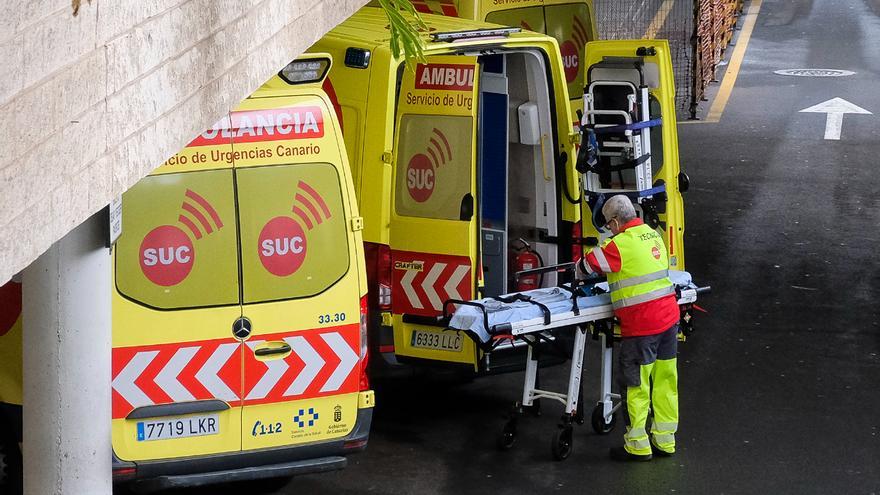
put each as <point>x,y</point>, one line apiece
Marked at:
<point>629,140</point>
<point>433,234</point>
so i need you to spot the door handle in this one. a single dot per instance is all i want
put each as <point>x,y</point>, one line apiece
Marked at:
<point>467,208</point>
<point>272,349</point>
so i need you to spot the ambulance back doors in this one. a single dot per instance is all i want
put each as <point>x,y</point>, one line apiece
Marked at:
<point>629,105</point>
<point>239,278</point>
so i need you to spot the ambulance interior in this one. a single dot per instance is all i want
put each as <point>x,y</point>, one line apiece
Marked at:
<point>516,173</point>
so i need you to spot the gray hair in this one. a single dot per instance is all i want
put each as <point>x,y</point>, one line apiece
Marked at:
<point>619,207</point>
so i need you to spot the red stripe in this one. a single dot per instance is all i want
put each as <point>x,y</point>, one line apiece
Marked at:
<point>207,206</point>
<point>580,25</point>
<point>421,7</point>
<point>302,215</point>
<point>439,149</point>
<point>671,246</point>
<point>201,218</point>
<point>302,199</point>
<point>190,225</point>
<point>449,10</point>
<point>433,157</point>
<point>317,197</point>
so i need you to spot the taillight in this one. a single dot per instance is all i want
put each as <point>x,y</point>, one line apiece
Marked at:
<point>378,258</point>
<point>577,249</point>
<point>365,353</point>
<point>383,276</point>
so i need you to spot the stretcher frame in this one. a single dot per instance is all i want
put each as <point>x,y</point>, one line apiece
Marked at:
<point>598,321</point>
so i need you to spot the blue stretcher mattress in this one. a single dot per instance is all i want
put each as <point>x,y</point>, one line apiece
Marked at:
<point>556,299</point>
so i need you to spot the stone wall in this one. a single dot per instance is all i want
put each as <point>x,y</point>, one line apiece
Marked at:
<point>92,102</point>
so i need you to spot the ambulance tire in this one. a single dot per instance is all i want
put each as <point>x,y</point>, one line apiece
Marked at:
<point>562,443</point>
<point>507,437</point>
<point>10,466</point>
<point>598,420</point>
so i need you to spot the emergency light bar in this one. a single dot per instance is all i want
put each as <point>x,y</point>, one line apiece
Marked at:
<point>305,70</point>
<point>473,34</point>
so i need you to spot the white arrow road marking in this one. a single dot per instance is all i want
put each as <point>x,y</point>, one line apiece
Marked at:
<point>348,359</point>
<point>428,285</point>
<point>406,283</point>
<point>167,378</point>
<point>124,381</point>
<point>835,108</point>
<point>313,364</point>
<point>275,370</point>
<point>451,286</point>
<point>207,375</point>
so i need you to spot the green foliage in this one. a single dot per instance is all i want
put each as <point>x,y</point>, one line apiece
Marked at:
<point>405,25</point>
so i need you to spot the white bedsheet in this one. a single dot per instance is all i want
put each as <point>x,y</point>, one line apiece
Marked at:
<point>556,299</point>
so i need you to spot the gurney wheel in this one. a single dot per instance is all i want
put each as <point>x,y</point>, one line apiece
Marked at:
<point>562,443</point>
<point>507,437</point>
<point>598,420</point>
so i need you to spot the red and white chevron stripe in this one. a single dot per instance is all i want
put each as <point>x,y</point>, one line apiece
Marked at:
<point>423,281</point>
<point>322,362</point>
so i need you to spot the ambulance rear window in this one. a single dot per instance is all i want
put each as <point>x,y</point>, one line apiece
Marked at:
<point>434,165</point>
<point>294,239</point>
<point>178,246</point>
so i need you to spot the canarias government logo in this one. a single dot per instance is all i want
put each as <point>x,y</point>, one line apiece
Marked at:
<point>421,173</point>
<point>282,244</point>
<point>167,253</point>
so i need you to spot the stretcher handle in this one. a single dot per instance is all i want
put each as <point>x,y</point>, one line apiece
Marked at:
<point>447,315</point>
<point>562,267</point>
<point>703,290</point>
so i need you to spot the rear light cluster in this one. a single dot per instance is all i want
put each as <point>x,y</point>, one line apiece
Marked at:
<point>365,353</point>
<point>378,257</point>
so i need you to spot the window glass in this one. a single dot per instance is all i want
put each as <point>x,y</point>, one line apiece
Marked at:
<point>434,165</point>
<point>178,245</point>
<point>570,25</point>
<point>531,18</point>
<point>294,240</point>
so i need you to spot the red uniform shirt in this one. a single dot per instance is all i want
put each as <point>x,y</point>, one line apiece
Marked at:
<point>647,318</point>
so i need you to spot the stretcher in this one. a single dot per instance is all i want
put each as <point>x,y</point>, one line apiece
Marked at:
<point>539,318</point>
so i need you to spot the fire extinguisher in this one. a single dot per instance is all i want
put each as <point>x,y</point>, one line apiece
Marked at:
<point>526,258</point>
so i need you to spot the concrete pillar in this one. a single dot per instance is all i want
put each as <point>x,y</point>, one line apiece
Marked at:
<point>66,364</point>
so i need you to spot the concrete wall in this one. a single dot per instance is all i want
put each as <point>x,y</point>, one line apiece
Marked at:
<point>92,102</point>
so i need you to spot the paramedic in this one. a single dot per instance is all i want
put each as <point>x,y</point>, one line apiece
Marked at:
<point>635,262</point>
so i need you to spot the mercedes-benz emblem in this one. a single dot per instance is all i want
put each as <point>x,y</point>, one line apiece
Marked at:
<point>241,329</point>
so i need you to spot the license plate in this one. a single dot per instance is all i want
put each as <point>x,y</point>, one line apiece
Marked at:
<point>438,341</point>
<point>167,428</point>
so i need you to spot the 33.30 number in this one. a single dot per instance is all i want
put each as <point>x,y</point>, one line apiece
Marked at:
<point>334,318</point>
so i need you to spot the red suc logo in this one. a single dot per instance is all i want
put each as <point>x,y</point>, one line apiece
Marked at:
<point>655,252</point>
<point>570,60</point>
<point>282,246</point>
<point>167,255</point>
<point>421,172</point>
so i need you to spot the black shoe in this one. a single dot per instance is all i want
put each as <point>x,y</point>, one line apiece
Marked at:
<point>621,454</point>
<point>660,452</point>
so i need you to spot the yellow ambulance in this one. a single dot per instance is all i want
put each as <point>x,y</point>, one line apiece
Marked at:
<point>465,171</point>
<point>457,163</point>
<point>571,22</point>
<point>239,308</point>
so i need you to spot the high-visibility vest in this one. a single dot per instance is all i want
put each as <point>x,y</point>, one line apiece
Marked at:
<point>644,268</point>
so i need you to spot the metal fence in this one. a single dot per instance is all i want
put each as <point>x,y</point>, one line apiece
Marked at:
<point>697,30</point>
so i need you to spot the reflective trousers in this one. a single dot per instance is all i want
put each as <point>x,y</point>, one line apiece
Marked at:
<point>649,374</point>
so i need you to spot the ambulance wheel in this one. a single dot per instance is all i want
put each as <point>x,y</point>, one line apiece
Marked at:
<point>507,437</point>
<point>562,443</point>
<point>598,420</point>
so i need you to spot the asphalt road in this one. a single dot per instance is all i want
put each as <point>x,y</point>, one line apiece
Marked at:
<point>780,388</point>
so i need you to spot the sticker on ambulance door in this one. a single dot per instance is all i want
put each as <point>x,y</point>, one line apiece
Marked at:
<point>178,246</point>
<point>294,240</point>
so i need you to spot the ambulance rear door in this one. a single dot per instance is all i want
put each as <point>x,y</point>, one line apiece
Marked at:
<point>176,363</point>
<point>615,74</point>
<point>433,230</point>
<point>299,273</point>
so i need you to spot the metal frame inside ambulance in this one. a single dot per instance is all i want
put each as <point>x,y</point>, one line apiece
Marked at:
<point>509,64</point>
